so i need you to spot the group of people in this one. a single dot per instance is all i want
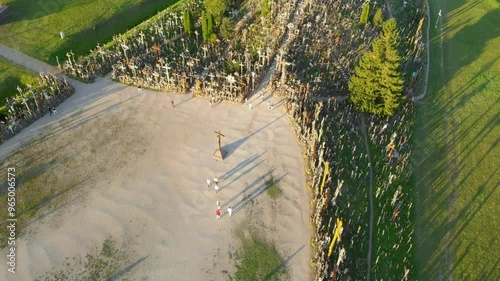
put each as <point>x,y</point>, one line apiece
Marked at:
<point>269,103</point>
<point>217,189</point>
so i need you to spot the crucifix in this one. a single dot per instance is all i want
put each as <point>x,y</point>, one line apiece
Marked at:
<point>166,67</point>
<point>156,48</point>
<point>218,153</point>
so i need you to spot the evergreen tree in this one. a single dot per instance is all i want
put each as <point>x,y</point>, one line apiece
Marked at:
<point>210,23</point>
<point>365,13</point>
<point>378,18</point>
<point>188,22</point>
<point>377,85</point>
<point>226,28</point>
<point>204,27</point>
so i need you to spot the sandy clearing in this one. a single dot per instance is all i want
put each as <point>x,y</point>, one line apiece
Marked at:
<point>140,167</point>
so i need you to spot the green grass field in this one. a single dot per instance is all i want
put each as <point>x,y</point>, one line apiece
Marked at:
<point>456,146</point>
<point>11,76</point>
<point>33,27</point>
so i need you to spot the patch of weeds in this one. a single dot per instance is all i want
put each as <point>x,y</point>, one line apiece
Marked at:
<point>259,260</point>
<point>272,188</point>
<point>103,264</point>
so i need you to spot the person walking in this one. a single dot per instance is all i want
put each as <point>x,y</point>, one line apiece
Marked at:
<point>208,183</point>
<point>217,188</point>
<point>250,106</point>
<point>172,103</point>
<point>230,211</point>
<point>217,213</point>
<point>139,89</point>
<point>216,180</point>
<point>269,105</point>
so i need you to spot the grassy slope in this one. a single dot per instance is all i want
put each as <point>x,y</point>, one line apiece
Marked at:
<point>456,147</point>
<point>33,26</point>
<point>11,76</point>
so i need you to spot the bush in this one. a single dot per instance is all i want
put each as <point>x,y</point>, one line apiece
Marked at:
<point>226,29</point>
<point>378,18</point>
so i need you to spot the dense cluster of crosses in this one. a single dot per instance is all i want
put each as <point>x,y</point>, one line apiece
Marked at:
<point>159,55</point>
<point>33,102</point>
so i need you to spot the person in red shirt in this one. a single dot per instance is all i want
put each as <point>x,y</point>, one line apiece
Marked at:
<point>172,103</point>
<point>217,213</point>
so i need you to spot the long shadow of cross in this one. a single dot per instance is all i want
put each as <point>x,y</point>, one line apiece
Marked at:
<point>256,192</point>
<point>230,148</point>
<point>249,187</point>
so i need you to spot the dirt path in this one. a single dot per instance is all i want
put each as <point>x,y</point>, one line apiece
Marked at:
<point>370,196</point>
<point>84,95</point>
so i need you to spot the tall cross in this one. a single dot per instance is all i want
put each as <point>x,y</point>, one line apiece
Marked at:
<point>156,48</point>
<point>219,134</point>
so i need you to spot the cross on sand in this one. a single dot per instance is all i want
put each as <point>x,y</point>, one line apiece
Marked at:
<point>218,153</point>
<point>219,134</point>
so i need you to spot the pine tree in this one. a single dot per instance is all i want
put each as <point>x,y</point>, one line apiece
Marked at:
<point>365,14</point>
<point>210,23</point>
<point>226,28</point>
<point>377,85</point>
<point>188,22</point>
<point>378,18</point>
<point>204,27</point>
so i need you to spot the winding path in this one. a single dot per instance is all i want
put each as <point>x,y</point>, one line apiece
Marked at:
<point>84,94</point>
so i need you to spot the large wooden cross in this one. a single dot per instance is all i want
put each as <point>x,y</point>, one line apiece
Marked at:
<point>156,48</point>
<point>219,134</point>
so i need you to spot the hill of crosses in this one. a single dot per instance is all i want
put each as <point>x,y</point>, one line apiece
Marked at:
<point>347,70</point>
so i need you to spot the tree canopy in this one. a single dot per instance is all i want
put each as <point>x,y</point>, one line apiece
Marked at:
<point>377,84</point>
<point>217,7</point>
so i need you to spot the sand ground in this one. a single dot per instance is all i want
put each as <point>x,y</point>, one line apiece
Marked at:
<point>134,169</point>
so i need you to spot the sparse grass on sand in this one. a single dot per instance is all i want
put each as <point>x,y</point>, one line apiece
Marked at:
<point>456,148</point>
<point>12,76</point>
<point>102,264</point>
<point>259,260</point>
<point>45,171</point>
<point>272,188</point>
<point>33,27</point>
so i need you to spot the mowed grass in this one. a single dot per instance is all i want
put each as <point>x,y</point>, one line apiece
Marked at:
<point>33,27</point>
<point>456,146</point>
<point>12,76</point>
